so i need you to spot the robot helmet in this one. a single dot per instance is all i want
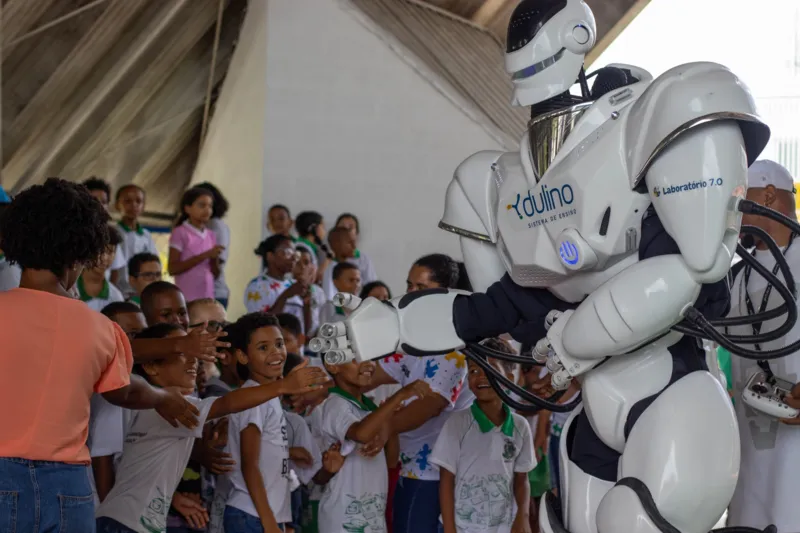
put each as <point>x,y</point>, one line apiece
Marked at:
<point>547,43</point>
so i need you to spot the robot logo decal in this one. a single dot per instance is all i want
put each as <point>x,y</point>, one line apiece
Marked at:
<point>568,252</point>
<point>546,201</point>
<point>689,186</point>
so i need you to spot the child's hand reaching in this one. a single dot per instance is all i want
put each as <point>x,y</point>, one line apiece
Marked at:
<point>202,344</point>
<point>377,444</point>
<point>332,459</point>
<point>189,506</point>
<point>304,378</point>
<point>301,456</point>
<point>215,252</point>
<point>417,389</point>
<point>175,409</point>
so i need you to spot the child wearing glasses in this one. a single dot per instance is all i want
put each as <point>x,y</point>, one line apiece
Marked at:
<point>143,269</point>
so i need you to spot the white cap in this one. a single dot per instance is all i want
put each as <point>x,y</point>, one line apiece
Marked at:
<point>765,172</point>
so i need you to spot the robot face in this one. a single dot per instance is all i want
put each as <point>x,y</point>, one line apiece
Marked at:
<point>547,41</point>
<point>528,18</point>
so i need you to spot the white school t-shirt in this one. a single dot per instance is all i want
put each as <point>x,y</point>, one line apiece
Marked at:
<point>355,498</point>
<point>446,375</point>
<point>154,456</point>
<point>484,458</point>
<point>134,241</point>
<point>300,437</point>
<point>108,425</point>
<point>273,460</point>
<point>314,422</point>
<point>765,493</point>
<point>108,295</point>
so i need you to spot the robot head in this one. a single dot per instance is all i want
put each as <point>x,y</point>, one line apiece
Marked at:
<point>547,42</point>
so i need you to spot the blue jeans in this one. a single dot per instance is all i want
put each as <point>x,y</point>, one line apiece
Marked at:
<point>552,455</point>
<point>45,496</point>
<point>109,525</point>
<point>416,506</point>
<point>238,521</point>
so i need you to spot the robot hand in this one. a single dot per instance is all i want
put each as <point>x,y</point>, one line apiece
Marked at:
<point>417,324</point>
<point>371,331</point>
<point>551,352</point>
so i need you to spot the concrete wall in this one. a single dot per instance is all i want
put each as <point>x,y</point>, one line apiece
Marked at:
<point>232,156</point>
<point>350,126</point>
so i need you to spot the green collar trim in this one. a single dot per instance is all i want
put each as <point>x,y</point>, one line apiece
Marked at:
<point>85,297</point>
<point>135,299</point>
<point>366,404</point>
<point>139,229</point>
<point>487,425</point>
<point>2,256</point>
<point>312,245</point>
<point>357,254</point>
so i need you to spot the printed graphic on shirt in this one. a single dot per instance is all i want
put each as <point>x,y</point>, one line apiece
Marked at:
<point>483,502</point>
<point>365,514</point>
<point>460,360</point>
<point>154,518</point>
<point>431,367</point>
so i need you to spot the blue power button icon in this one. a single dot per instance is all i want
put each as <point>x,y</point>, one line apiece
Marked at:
<point>569,253</point>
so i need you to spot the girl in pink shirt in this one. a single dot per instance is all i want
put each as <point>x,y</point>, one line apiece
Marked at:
<point>194,256</point>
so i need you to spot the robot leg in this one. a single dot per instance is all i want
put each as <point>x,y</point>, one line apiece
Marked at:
<point>680,464</point>
<point>579,493</point>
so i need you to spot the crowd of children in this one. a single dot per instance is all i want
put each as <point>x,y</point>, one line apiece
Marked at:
<point>269,438</point>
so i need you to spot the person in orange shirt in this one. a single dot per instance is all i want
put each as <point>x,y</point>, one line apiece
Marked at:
<point>56,353</point>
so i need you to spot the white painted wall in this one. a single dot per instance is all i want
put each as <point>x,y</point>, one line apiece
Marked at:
<point>353,127</point>
<point>232,156</point>
<point>350,126</point>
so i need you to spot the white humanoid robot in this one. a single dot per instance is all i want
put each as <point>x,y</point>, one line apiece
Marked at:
<point>617,219</point>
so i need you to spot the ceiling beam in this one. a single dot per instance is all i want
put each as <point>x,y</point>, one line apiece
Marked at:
<point>193,26</point>
<point>29,161</point>
<point>19,16</point>
<point>636,7</point>
<point>488,11</point>
<point>75,68</point>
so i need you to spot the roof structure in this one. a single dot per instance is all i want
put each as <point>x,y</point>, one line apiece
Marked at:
<point>123,89</point>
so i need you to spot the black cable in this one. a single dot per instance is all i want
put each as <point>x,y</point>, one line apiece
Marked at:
<point>528,396</point>
<point>784,268</point>
<point>503,356</point>
<point>696,324</point>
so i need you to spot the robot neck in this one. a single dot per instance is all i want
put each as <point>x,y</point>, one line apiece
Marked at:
<point>548,130</point>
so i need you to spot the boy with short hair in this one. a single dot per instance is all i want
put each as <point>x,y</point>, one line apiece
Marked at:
<point>164,302</point>
<point>292,331</point>
<point>346,279</point>
<point>93,286</point>
<point>143,269</point>
<point>155,453</point>
<point>484,455</point>
<point>343,245</point>
<point>356,496</point>
<point>130,202</point>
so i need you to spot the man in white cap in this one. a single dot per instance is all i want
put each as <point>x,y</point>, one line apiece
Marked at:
<point>770,467</point>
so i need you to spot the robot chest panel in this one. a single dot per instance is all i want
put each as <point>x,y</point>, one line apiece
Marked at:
<point>579,219</point>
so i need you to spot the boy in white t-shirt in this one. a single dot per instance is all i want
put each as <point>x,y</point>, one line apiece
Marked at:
<point>136,239</point>
<point>355,499</point>
<point>155,453</point>
<point>484,454</point>
<point>258,487</point>
<point>93,287</point>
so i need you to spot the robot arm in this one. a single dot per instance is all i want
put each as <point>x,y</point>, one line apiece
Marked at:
<point>644,301</point>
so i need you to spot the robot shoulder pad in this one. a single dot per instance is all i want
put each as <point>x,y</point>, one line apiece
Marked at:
<point>471,198</point>
<point>685,97</point>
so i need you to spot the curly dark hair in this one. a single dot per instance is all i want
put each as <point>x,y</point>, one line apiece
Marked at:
<point>239,335</point>
<point>96,184</point>
<point>220,202</point>
<point>444,271</point>
<point>54,227</point>
<point>366,289</point>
